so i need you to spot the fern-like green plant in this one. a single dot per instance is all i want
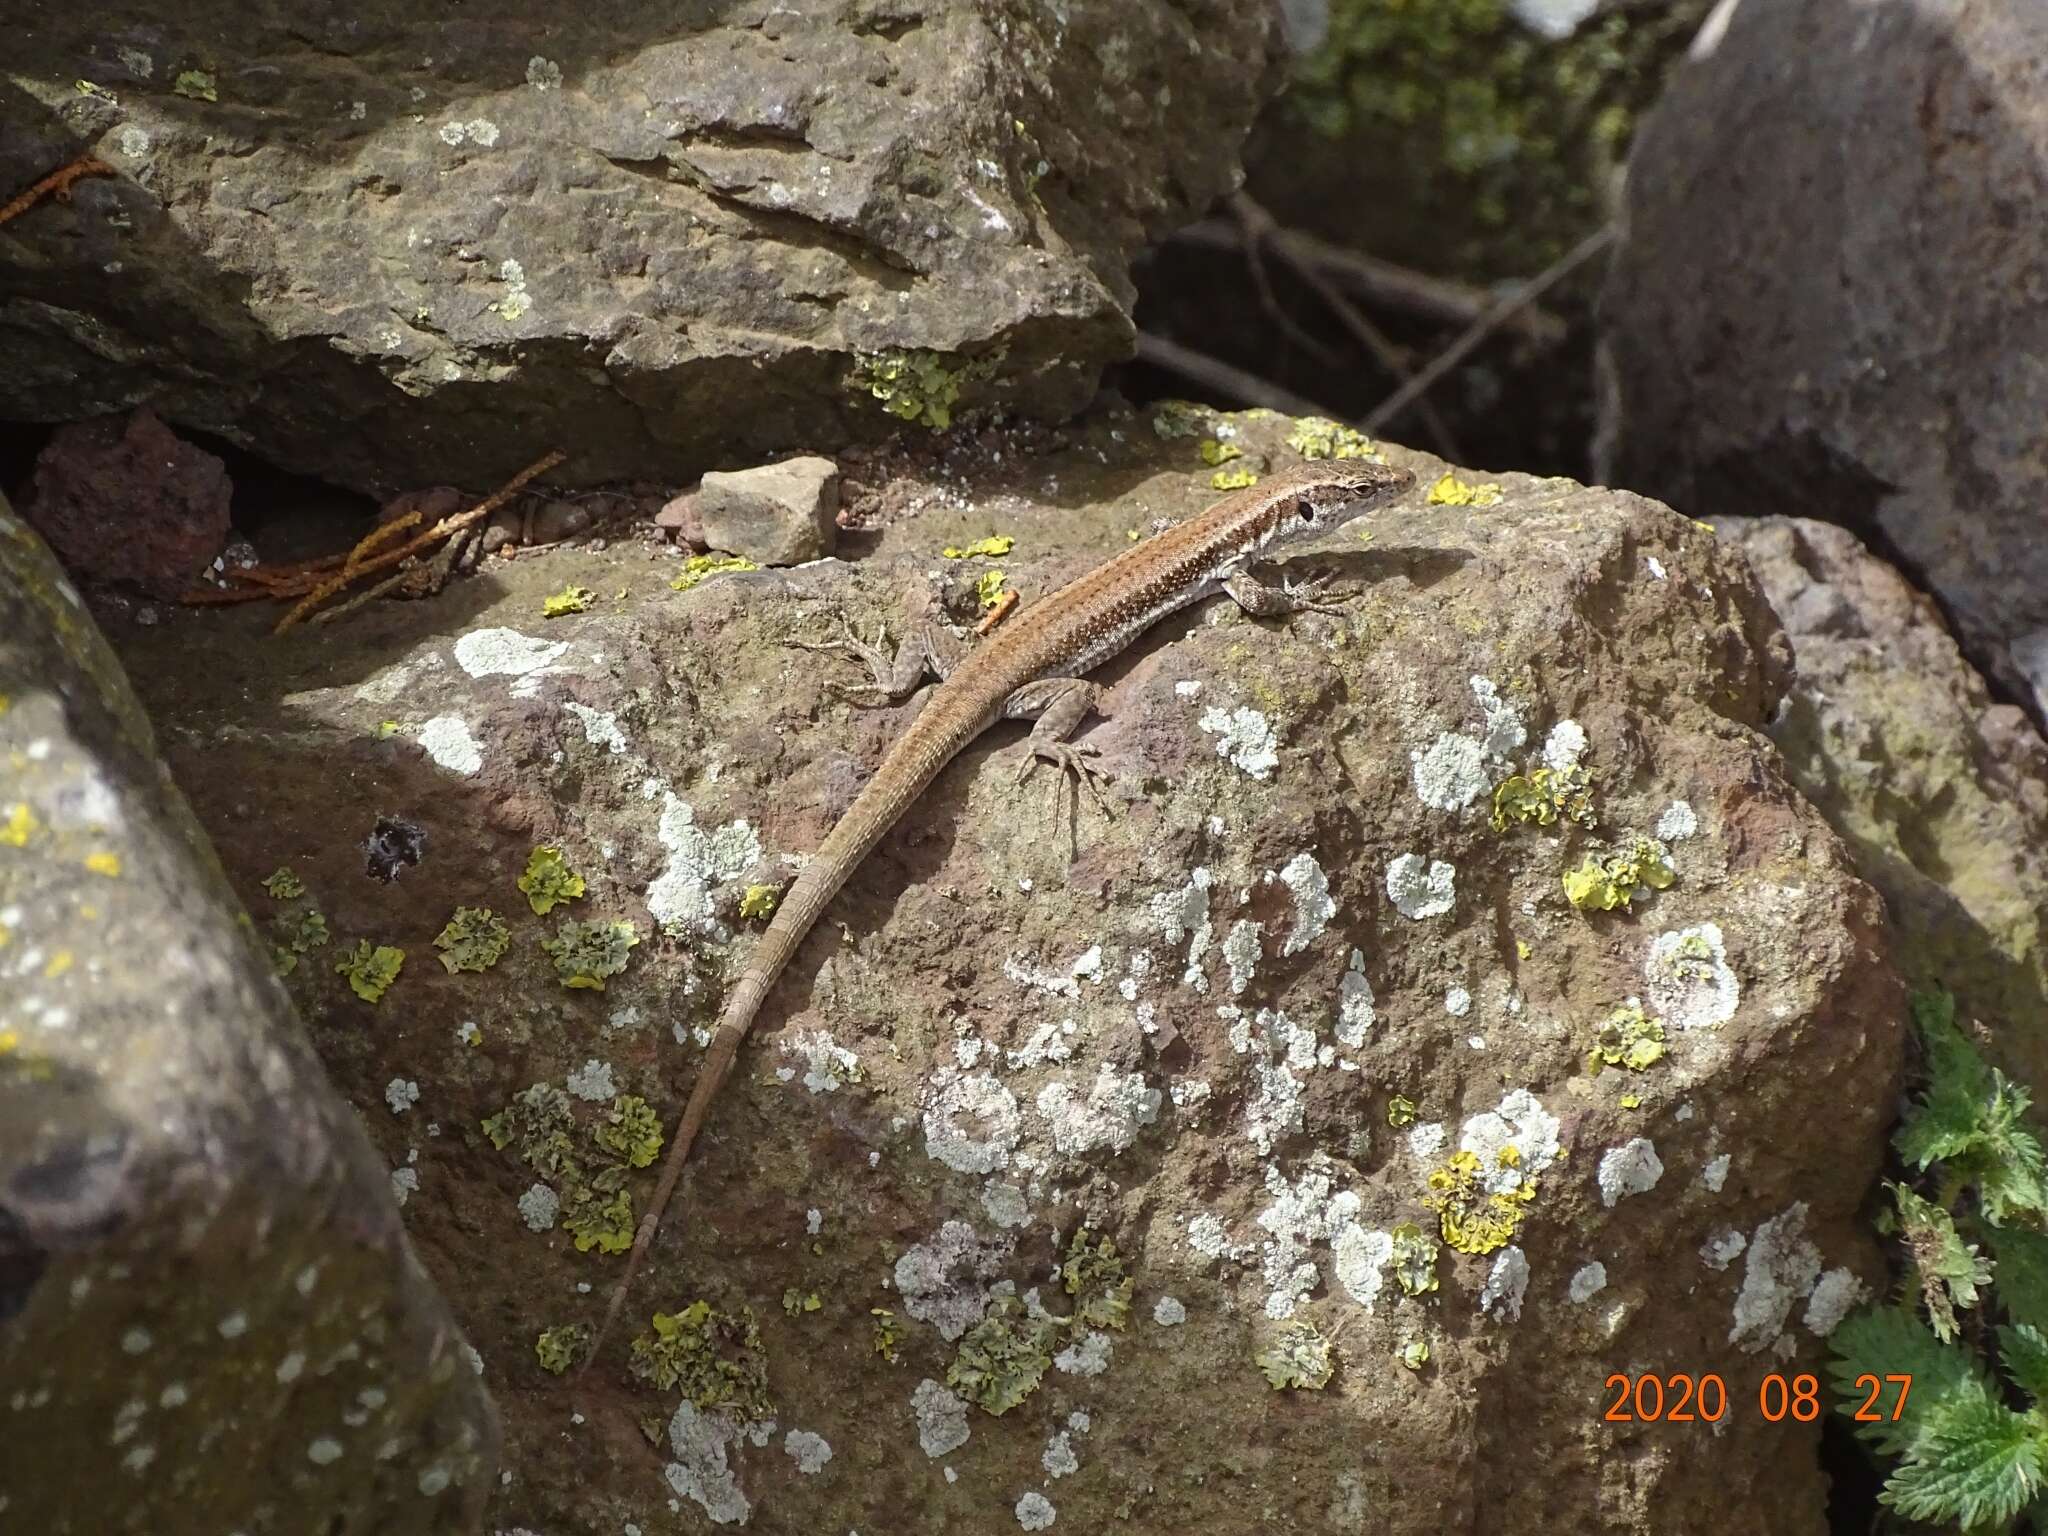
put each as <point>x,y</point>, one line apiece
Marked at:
<point>1969,1447</point>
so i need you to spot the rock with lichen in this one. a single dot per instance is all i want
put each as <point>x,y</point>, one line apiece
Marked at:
<point>209,1310</point>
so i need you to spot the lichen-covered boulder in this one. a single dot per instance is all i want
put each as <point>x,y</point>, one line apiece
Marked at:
<point>395,245</point>
<point>1457,1008</point>
<point>1826,305</point>
<point>1940,792</point>
<point>210,1318</point>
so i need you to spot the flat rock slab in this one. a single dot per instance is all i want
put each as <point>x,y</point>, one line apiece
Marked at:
<point>396,245</point>
<point>210,1317</point>
<point>1234,1027</point>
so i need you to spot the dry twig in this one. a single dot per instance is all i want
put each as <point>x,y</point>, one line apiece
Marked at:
<point>57,184</point>
<point>1231,382</point>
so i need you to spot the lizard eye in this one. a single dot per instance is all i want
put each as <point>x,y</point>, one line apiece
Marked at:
<point>1305,510</point>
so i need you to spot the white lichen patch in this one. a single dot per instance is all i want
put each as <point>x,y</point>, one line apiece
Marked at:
<point>1715,1174</point>
<point>405,1183</point>
<point>600,726</point>
<point>1304,1212</point>
<point>401,1094</point>
<point>1048,1044</point>
<point>539,1207</point>
<point>1245,740</point>
<point>701,1472</point>
<point>1457,1002</point>
<point>447,740</point>
<point>1450,773</point>
<point>1087,966</point>
<point>1586,1283</point>
<point>1632,1168</point>
<point>1420,890</point>
<point>828,1065</point>
<point>1209,1238</point>
<point>1502,733</point>
<point>1515,1142</point>
<point>593,1082</point>
<point>507,653</point>
<point>941,1419</point>
<point>1835,1295</point>
<point>1184,914</point>
<point>1117,1107</point>
<point>1564,747</point>
<point>1088,1355</point>
<point>1360,1256</point>
<point>1723,1248</point>
<point>1689,981</point>
<point>1426,1141</point>
<point>1169,1312</point>
<point>543,74</point>
<point>945,1280</point>
<point>1781,1268</point>
<point>1677,823</point>
<point>1035,1512</point>
<point>809,1451</point>
<point>1506,1285</point>
<point>1241,953</point>
<point>1059,1459</point>
<point>972,1125</point>
<point>1357,1009</point>
<point>698,862</point>
<point>1004,1204</point>
<point>1279,1048</point>
<point>1313,908</point>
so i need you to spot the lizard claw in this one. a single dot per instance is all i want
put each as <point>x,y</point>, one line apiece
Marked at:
<point>1077,759</point>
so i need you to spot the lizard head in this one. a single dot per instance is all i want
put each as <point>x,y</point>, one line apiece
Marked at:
<point>1309,502</point>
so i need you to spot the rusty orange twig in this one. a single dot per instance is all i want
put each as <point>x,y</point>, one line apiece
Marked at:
<point>454,523</point>
<point>994,616</point>
<point>57,184</point>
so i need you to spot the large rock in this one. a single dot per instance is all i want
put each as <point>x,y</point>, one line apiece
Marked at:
<point>1186,1026</point>
<point>210,1319</point>
<point>393,247</point>
<point>1941,794</point>
<point>1828,302</point>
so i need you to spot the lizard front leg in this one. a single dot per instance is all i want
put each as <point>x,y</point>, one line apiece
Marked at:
<point>1262,600</point>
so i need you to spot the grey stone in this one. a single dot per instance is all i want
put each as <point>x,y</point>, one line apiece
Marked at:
<point>776,514</point>
<point>210,1317</point>
<point>1829,302</point>
<point>397,244</point>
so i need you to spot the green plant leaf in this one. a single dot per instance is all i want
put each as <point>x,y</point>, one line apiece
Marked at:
<point>1888,1341</point>
<point>2023,1351</point>
<point>2022,1274</point>
<point>1979,1463</point>
<point>1950,1271</point>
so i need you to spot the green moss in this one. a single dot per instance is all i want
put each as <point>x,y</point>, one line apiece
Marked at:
<point>370,971</point>
<point>1627,1037</point>
<point>631,1132</point>
<point>1414,1259</point>
<point>293,934</point>
<point>1542,796</point>
<point>548,882</point>
<point>598,1218</point>
<point>1601,884</point>
<point>919,384</point>
<point>586,953</point>
<point>196,83</point>
<point>1184,418</point>
<point>283,885</point>
<point>758,902</point>
<point>886,1335</point>
<point>1295,1355</point>
<point>1400,1111</point>
<point>560,1348</point>
<point>1317,437</point>
<point>715,1359</point>
<point>701,568</point>
<point>796,1301</point>
<point>1002,1359</point>
<point>1095,1277</point>
<point>536,1125</point>
<point>473,940</point>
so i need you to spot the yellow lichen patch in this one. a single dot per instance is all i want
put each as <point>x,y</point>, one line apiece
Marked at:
<point>1232,479</point>
<point>992,547</point>
<point>1604,883</point>
<point>988,588</point>
<point>18,825</point>
<point>1473,1217</point>
<point>1215,453</point>
<point>700,568</point>
<point>104,863</point>
<point>58,964</point>
<point>9,1041</point>
<point>758,902</point>
<point>1450,491</point>
<point>1317,437</point>
<point>571,599</point>
<point>1542,796</point>
<point>1627,1037</point>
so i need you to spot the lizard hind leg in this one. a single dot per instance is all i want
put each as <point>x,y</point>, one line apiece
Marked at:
<point>928,651</point>
<point>1056,706</point>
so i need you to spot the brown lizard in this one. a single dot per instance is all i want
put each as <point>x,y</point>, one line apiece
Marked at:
<point>1030,669</point>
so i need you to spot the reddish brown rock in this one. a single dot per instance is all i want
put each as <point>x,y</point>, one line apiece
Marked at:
<point>131,501</point>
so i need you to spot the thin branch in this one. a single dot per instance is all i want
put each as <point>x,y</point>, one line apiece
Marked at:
<point>1511,303</point>
<point>1384,282</point>
<point>1215,374</point>
<point>57,184</point>
<point>1254,247</point>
